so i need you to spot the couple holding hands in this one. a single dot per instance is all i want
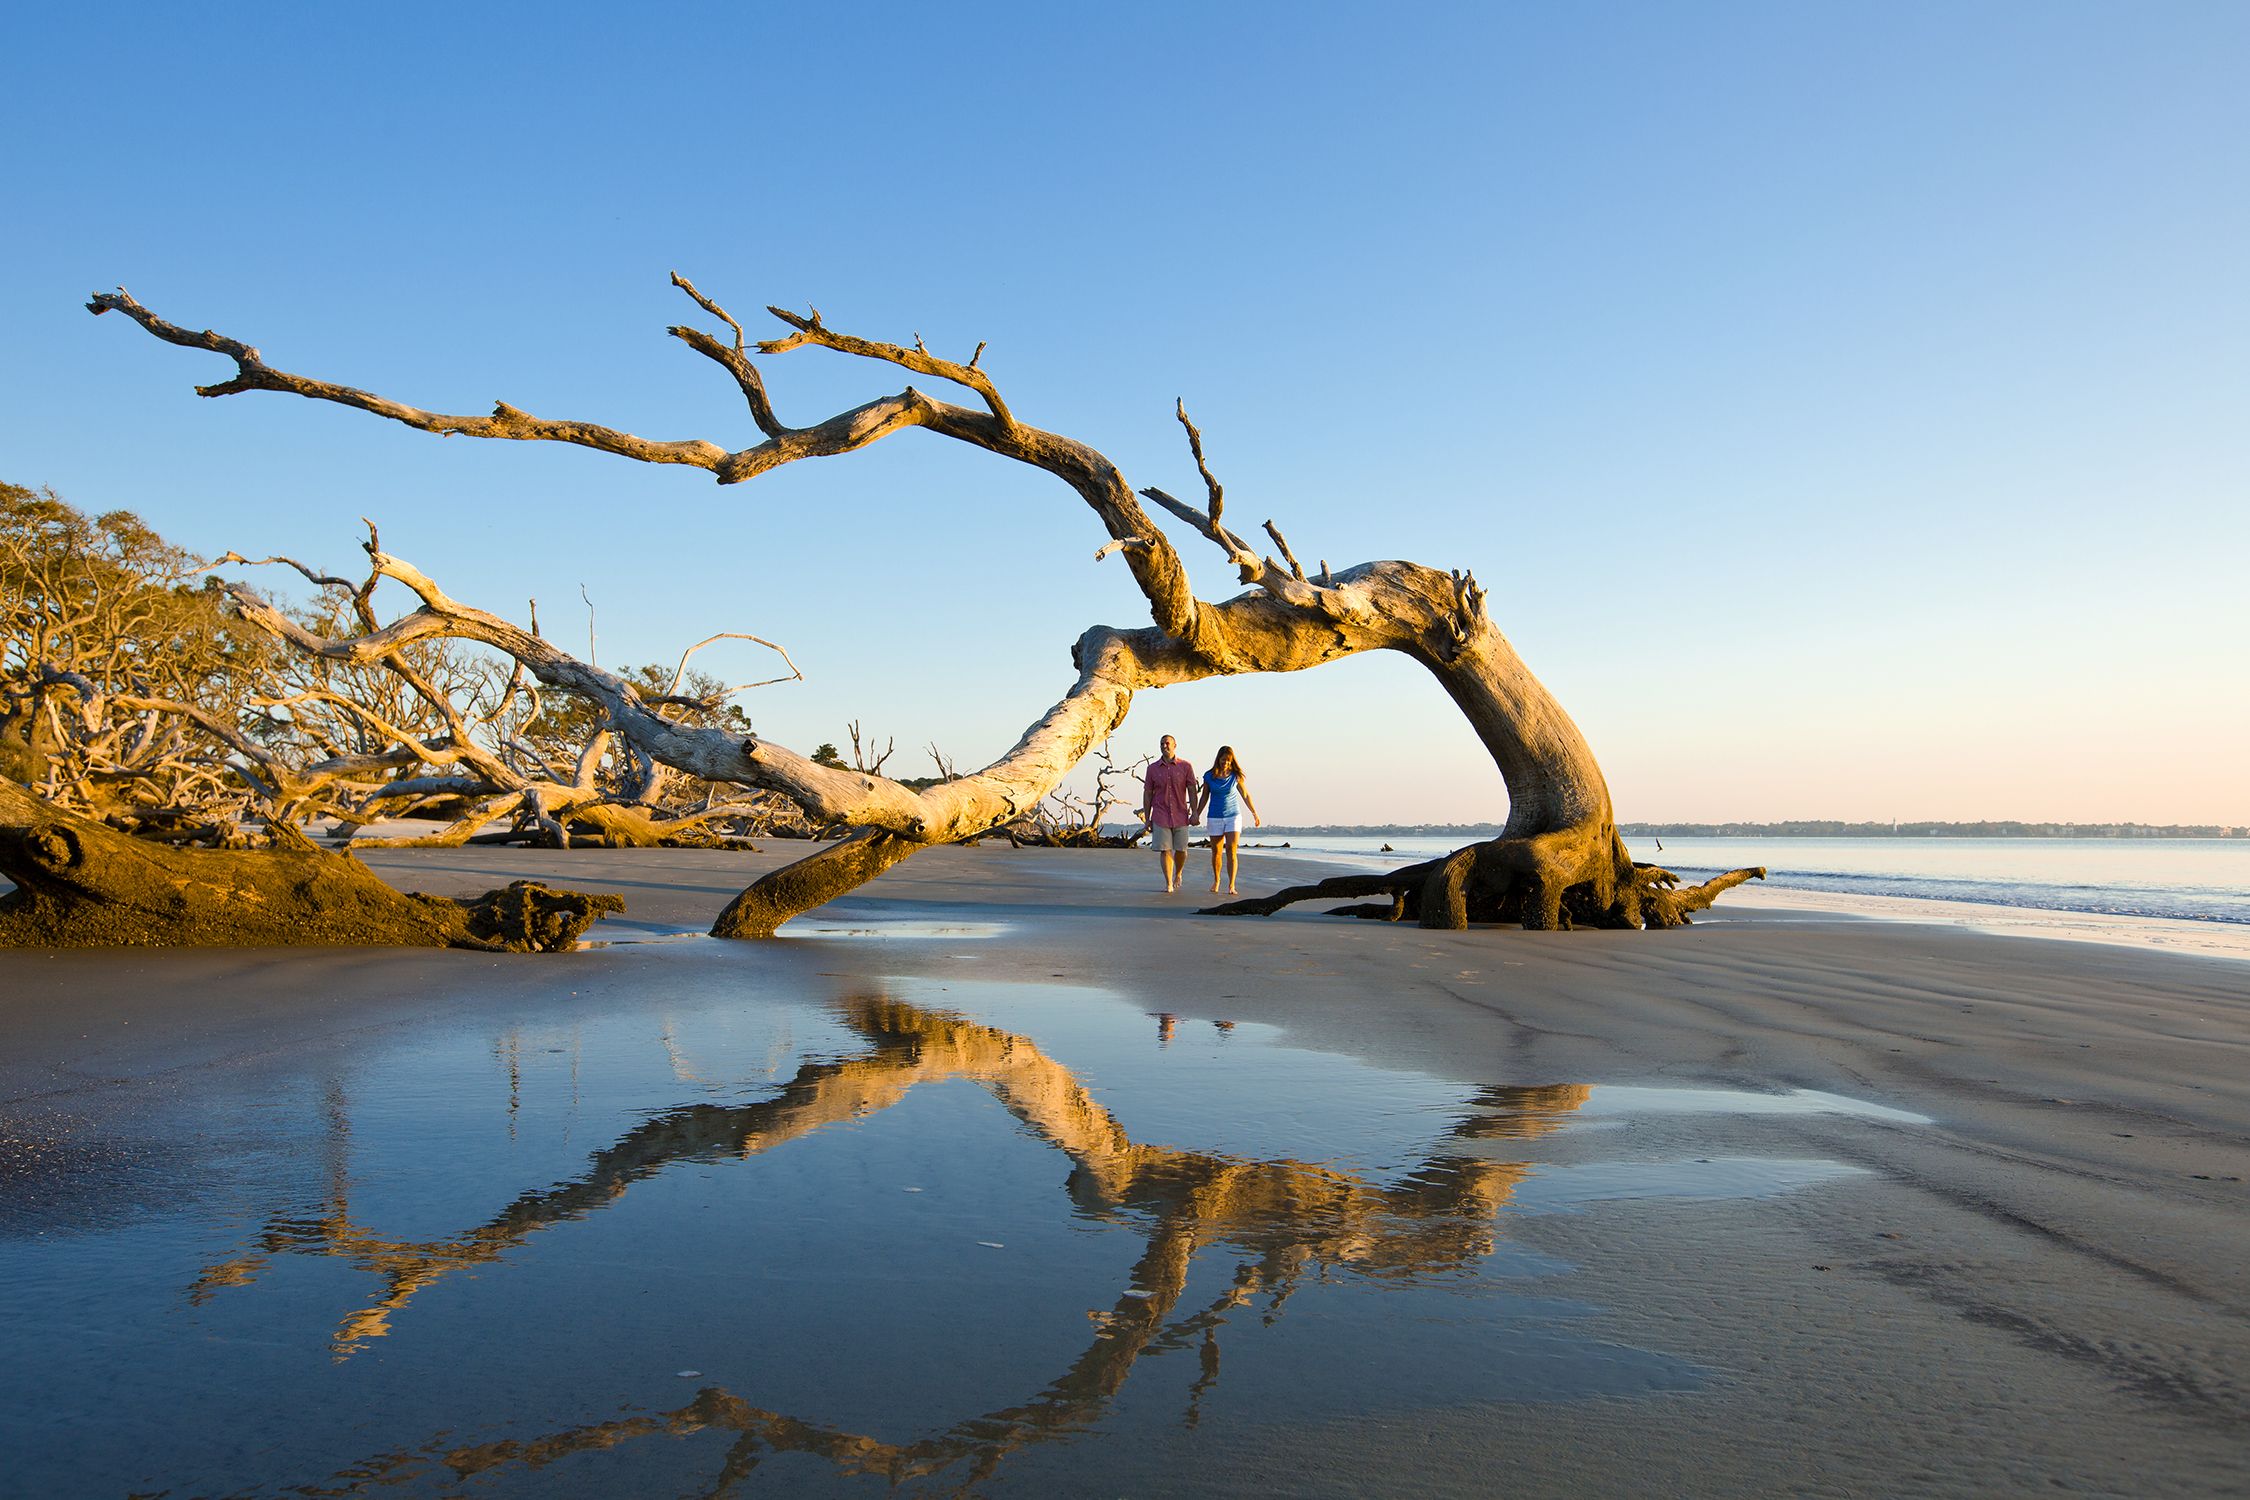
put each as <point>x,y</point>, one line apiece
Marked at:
<point>1173,798</point>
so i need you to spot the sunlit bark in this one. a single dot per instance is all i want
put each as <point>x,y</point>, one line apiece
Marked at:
<point>1558,862</point>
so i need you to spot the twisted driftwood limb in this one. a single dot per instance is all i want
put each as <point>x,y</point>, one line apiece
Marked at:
<point>80,884</point>
<point>1559,861</point>
<point>1505,880</point>
<point>508,779</point>
<point>906,819</point>
<point>1664,905</point>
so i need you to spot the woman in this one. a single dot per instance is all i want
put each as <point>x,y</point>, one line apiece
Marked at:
<point>1225,791</point>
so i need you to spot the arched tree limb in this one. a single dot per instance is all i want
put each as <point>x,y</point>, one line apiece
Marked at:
<point>1558,861</point>
<point>1097,480</point>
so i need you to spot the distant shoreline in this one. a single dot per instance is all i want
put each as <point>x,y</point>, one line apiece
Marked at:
<point>1813,829</point>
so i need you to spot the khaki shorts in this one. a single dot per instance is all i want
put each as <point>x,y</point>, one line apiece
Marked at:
<point>1168,840</point>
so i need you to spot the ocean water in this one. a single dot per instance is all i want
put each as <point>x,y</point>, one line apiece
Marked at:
<point>2191,880</point>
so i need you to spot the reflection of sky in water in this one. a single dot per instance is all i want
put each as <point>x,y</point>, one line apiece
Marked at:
<point>950,1237</point>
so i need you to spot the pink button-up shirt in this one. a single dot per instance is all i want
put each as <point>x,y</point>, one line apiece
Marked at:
<point>1168,783</point>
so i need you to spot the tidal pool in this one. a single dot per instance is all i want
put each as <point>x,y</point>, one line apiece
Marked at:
<point>709,1234</point>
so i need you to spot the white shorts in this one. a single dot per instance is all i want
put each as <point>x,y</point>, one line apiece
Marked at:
<point>1216,827</point>
<point>1168,840</point>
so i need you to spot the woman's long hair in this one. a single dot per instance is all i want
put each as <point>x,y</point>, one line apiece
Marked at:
<point>1225,757</point>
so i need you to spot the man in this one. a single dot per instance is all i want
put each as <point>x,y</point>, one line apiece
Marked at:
<point>1166,790</point>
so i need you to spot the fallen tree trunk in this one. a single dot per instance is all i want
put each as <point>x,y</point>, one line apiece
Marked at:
<point>80,884</point>
<point>1559,861</point>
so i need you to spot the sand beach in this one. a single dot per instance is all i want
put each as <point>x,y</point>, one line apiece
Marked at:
<point>1010,1175</point>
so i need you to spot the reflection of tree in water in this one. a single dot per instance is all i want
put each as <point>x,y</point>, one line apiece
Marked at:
<point>1281,1216</point>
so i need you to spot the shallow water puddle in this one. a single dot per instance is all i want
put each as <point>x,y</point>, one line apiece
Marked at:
<point>893,927</point>
<point>617,934</point>
<point>898,928</point>
<point>882,1234</point>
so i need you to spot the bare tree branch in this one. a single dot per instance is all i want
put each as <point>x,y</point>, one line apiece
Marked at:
<point>1211,483</point>
<point>1156,567</point>
<point>1119,544</point>
<point>733,357</point>
<point>713,754</point>
<point>1295,568</point>
<point>810,330</point>
<point>796,674</point>
<point>252,373</point>
<point>860,762</point>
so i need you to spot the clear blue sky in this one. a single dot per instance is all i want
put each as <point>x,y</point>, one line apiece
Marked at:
<point>1848,407</point>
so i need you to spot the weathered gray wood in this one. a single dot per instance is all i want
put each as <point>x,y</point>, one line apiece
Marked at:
<point>1558,861</point>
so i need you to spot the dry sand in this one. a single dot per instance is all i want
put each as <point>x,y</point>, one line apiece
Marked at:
<point>2047,1288</point>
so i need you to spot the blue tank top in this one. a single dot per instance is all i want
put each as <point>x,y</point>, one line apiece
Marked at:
<point>1220,789</point>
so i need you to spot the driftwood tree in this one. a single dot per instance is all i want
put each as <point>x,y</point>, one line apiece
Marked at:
<point>493,748</point>
<point>1074,819</point>
<point>1558,861</point>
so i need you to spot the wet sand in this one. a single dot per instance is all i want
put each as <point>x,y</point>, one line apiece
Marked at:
<point>2046,1287</point>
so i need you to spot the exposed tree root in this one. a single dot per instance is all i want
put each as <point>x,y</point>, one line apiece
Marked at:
<point>527,917</point>
<point>1405,884</point>
<point>1549,881</point>
<point>1667,906</point>
<point>80,884</point>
